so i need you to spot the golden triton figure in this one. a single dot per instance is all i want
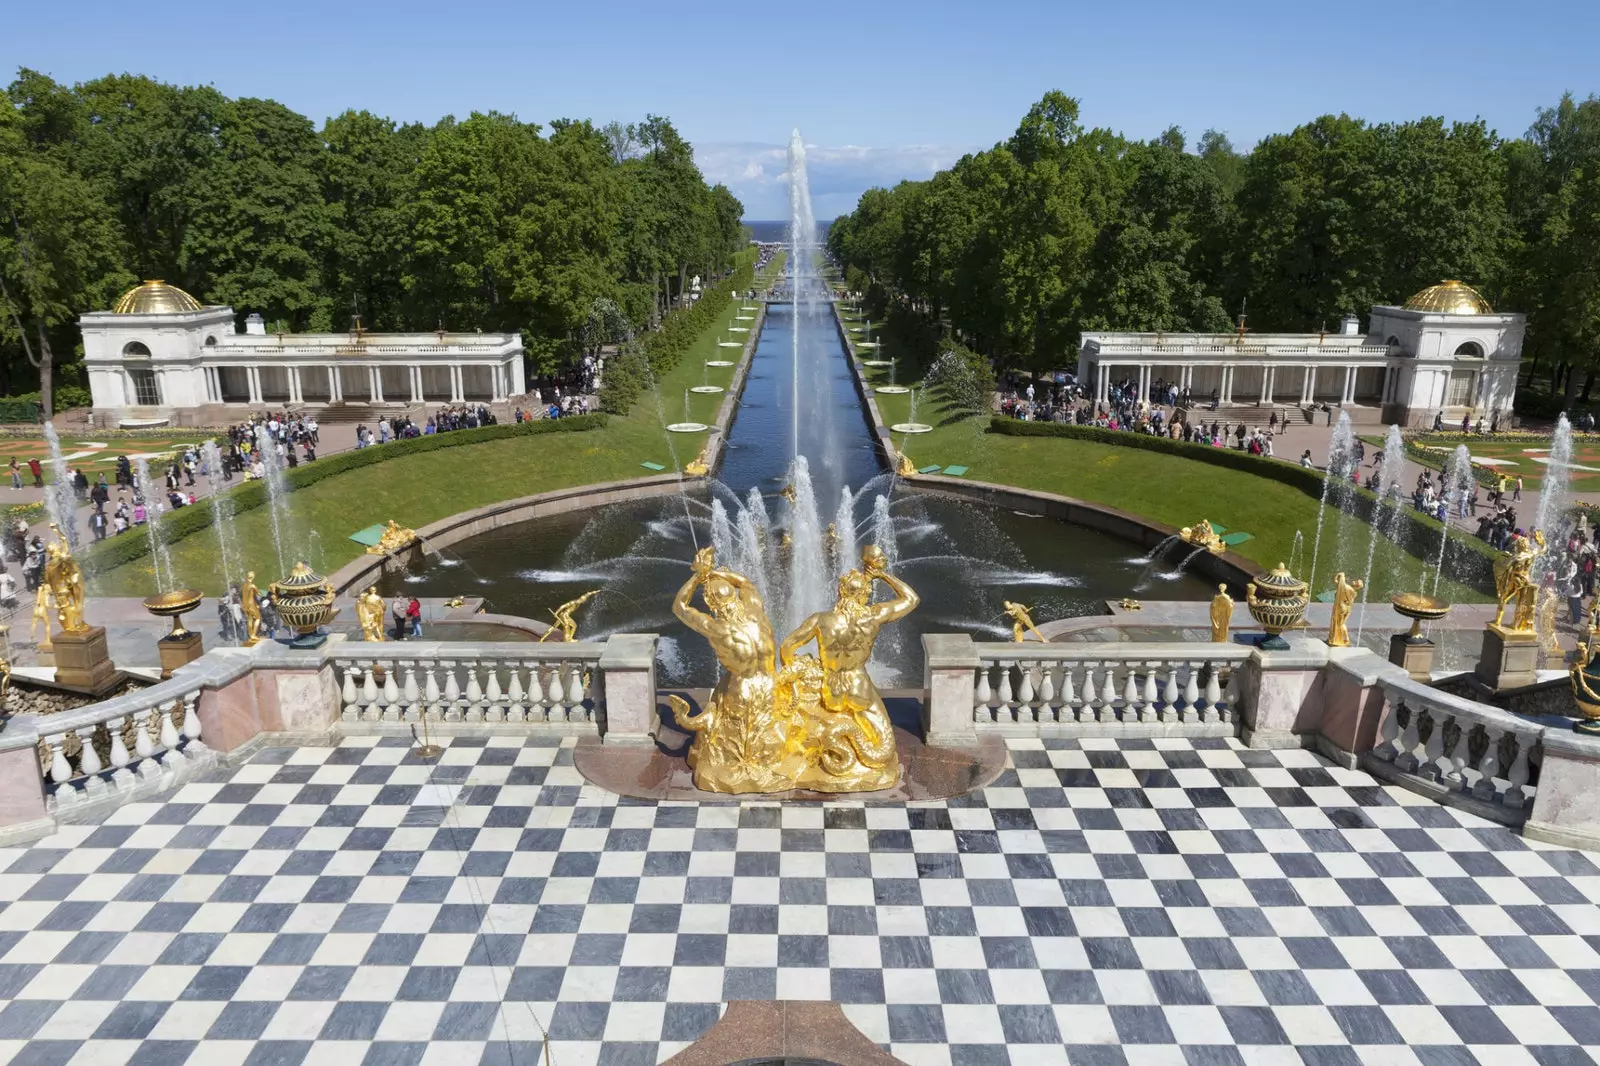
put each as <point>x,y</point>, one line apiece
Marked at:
<point>1203,535</point>
<point>904,467</point>
<point>1513,582</point>
<point>65,578</point>
<point>742,741</point>
<point>370,613</point>
<point>565,623</point>
<point>1021,620</point>
<point>850,743</point>
<point>395,537</point>
<point>1344,599</point>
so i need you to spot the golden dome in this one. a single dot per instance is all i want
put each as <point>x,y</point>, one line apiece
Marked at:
<point>1450,298</point>
<point>155,298</point>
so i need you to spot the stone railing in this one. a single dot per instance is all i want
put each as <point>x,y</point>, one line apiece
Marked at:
<point>1456,750</point>
<point>105,754</point>
<point>557,685</point>
<point>1112,689</point>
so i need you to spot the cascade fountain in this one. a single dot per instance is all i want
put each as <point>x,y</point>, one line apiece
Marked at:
<point>283,538</point>
<point>1455,486</point>
<point>1555,487</point>
<point>155,502</point>
<point>221,513</point>
<point>1386,521</point>
<point>60,501</point>
<point>1335,487</point>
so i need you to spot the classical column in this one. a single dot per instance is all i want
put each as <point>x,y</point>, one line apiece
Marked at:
<point>333,384</point>
<point>294,384</point>
<point>1103,391</point>
<point>1308,385</point>
<point>1267,374</point>
<point>1225,393</point>
<point>377,383</point>
<point>1349,384</point>
<point>457,386</point>
<point>414,375</point>
<point>253,373</point>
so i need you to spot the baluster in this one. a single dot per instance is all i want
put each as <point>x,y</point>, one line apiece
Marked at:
<point>1131,707</point>
<point>88,759</point>
<point>452,692</point>
<point>349,693</point>
<point>1453,766</point>
<point>119,750</point>
<point>1488,766</point>
<point>369,686</point>
<point>576,712</point>
<point>1108,694</point>
<point>412,694</point>
<point>1213,692</point>
<point>982,695</point>
<point>492,693</point>
<point>1169,695</point>
<point>393,711</point>
<point>167,730</point>
<point>1516,796</point>
<point>537,711</point>
<point>1410,741</point>
<point>191,719</point>
<point>60,769</point>
<point>1147,709</point>
<point>1026,712</point>
<point>430,692</point>
<point>1007,711</point>
<point>1191,695</point>
<point>1069,697</point>
<point>558,713</point>
<point>1047,693</point>
<point>1230,695</point>
<point>143,747</point>
<point>515,712</point>
<point>1388,746</point>
<point>474,708</point>
<point>1433,747</point>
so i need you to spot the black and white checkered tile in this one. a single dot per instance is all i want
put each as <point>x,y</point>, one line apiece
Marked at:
<point>1138,902</point>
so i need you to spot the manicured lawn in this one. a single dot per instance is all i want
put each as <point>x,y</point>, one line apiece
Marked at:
<point>1170,489</point>
<point>1520,455</point>
<point>420,489</point>
<point>95,454</point>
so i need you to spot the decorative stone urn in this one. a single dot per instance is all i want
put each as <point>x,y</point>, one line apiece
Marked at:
<point>305,603</point>
<point>1277,599</point>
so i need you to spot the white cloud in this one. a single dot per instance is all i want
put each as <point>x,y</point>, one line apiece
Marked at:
<point>758,173</point>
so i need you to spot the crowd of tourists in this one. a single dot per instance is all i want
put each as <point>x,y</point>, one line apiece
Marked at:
<point>1124,410</point>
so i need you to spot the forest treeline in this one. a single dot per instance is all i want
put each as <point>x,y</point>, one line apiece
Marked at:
<point>572,234</point>
<point>1062,229</point>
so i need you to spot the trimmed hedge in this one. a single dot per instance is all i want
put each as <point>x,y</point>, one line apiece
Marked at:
<point>175,525</point>
<point>1472,560</point>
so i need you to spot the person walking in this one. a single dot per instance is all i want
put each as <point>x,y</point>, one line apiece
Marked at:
<point>398,609</point>
<point>16,473</point>
<point>1516,492</point>
<point>414,616</point>
<point>37,471</point>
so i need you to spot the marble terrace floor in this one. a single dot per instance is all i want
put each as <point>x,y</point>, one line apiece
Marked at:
<point>1181,903</point>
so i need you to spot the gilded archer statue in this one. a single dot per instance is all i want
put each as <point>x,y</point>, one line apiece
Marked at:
<point>742,739</point>
<point>852,740</point>
<point>65,578</point>
<point>564,619</point>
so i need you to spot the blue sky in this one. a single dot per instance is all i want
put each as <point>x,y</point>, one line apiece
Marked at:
<point>881,91</point>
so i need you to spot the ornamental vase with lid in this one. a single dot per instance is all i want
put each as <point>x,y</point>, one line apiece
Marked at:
<point>1277,599</point>
<point>304,600</point>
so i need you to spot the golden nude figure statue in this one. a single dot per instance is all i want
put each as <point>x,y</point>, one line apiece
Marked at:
<point>1021,622</point>
<point>564,622</point>
<point>742,740</point>
<point>370,613</point>
<point>1221,615</point>
<point>42,602</point>
<point>250,604</point>
<point>1513,582</point>
<point>850,743</point>
<point>1344,600</point>
<point>62,574</point>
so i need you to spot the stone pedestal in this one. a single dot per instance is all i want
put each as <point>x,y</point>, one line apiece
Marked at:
<point>1415,657</point>
<point>176,651</point>
<point>1509,658</point>
<point>83,663</point>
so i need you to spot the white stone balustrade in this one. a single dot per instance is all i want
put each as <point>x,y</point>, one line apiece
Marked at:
<point>561,686</point>
<point>1456,749</point>
<point>165,727</point>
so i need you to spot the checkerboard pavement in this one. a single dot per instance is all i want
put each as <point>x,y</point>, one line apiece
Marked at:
<point>1102,903</point>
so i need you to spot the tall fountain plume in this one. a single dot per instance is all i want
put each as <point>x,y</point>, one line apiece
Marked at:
<point>802,237</point>
<point>155,502</point>
<point>844,534</point>
<point>59,498</point>
<point>1555,488</point>
<point>1336,487</point>
<point>221,513</point>
<point>1386,521</point>
<point>1455,488</point>
<point>277,499</point>
<point>810,587</point>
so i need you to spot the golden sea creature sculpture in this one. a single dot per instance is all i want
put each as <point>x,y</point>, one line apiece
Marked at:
<point>1221,615</point>
<point>395,537</point>
<point>1130,604</point>
<point>788,493</point>
<point>564,622</point>
<point>1514,585</point>
<point>1344,599</point>
<point>370,613</point>
<point>1203,535</point>
<point>780,720</point>
<point>62,574</point>
<point>1021,622</point>
<point>904,467</point>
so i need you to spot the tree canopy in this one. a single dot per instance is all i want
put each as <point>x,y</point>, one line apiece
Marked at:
<point>486,222</point>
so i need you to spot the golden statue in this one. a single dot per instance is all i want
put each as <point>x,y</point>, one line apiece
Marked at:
<point>1130,604</point>
<point>1549,645</point>
<point>370,612</point>
<point>699,466</point>
<point>42,602</point>
<point>1344,599</point>
<point>1203,535</point>
<point>65,579</point>
<point>394,538</point>
<point>1221,615</point>
<point>1021,620</point>
<point>904,467</point>
<point>565,624</point>
<point>742,741</point>
<point>1513,582</point>
<point>250,603</point>
<point>788,493</point>
<point>792,721</point>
